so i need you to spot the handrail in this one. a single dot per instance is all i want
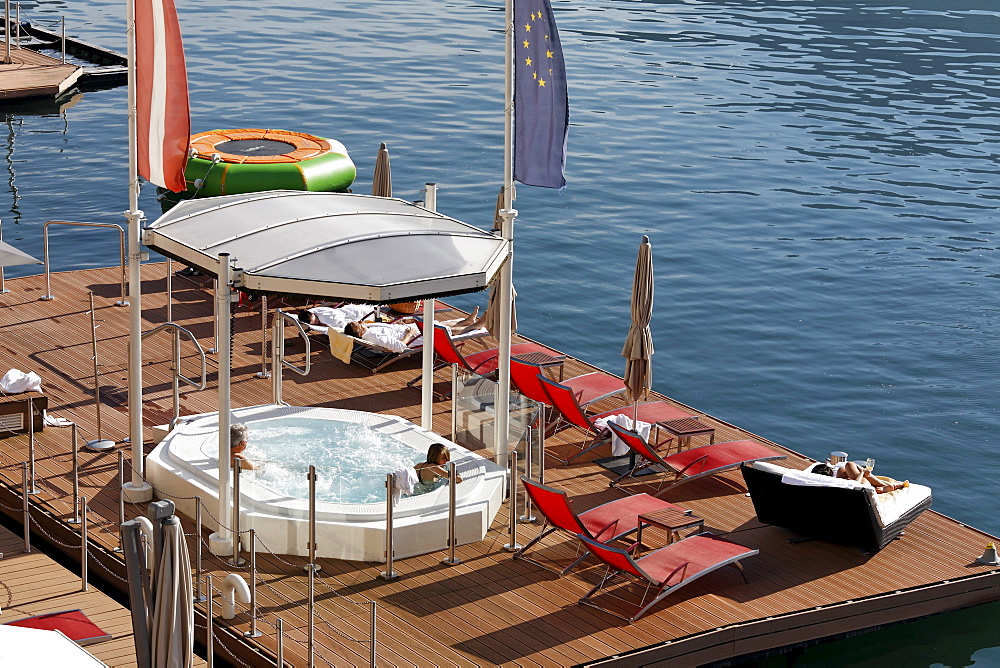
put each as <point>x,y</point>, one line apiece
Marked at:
<point>278,353</point>
<point>48,296</point>
<point>178,376</point>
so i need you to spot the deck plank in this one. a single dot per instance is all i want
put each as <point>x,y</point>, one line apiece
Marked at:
<point>490,609</point>
<point>33,584</point>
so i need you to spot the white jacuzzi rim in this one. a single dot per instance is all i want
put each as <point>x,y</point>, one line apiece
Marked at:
<point>171,451</point>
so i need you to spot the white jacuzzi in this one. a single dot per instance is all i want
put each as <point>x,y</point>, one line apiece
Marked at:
<point>185,464</point>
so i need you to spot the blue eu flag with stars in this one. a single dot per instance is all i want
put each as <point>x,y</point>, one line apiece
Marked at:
<point>541,102</point>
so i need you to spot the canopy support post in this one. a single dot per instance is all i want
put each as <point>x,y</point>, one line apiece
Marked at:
<point>427,385</point>
<point>221,542</point>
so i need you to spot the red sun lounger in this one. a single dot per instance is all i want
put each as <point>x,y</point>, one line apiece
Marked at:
<point>694,463</point>
<point>605,523</point>
<point>665,570</point>
<point>448,351</point>
<point>563,399</point>
<point>587,389</point>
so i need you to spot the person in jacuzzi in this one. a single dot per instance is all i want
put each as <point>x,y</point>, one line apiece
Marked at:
<point>397,336</point>
<point>433,473</point>
<point>238,435</point>
<point>851,471</point>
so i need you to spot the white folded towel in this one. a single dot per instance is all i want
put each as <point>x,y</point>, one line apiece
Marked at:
<point>618,447</point>
<point>55,421</point>
<point>403,481</point>
<point>16,381</point>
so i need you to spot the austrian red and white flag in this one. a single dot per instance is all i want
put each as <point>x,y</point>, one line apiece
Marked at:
<point>163,122</point>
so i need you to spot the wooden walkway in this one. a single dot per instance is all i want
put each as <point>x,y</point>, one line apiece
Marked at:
<point>33,74</point>
<point>33,584</point>
<point>490,609</point>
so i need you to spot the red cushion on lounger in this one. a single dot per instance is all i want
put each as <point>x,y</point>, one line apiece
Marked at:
<point>690,558</point>
<point>626,511</point>
<point>719,456</point>
<point>72,623</point>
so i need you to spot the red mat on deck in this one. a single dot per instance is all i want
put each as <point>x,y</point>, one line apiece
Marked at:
<point>72,623</point>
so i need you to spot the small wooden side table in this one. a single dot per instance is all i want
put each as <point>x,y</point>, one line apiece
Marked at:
<point>670,519</point>
<point>544,360</point>
<point>685,428</point>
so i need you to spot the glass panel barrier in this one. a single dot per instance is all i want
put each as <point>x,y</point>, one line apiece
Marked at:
<point>474,404</point>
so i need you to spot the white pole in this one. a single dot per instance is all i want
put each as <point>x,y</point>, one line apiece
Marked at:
<point>427,385</point>
<point>139,490</point>
<point>507,230</point>
<point>221,542</point>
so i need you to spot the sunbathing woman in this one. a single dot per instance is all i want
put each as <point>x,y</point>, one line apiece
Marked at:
<point>397,336</point>
<point>433,473</point>
<point>851,471</point>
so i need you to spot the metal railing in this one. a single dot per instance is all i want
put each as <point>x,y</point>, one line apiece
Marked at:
<point>48,296</point>
<point>315,621</point>
<point>177,375</point>
<point>263,373</point>
<point>278,362</point>
<point>390,489</point>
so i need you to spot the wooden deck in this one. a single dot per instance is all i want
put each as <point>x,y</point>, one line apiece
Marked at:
<point>490,609</point>
<point>33,584</point>
<point>33,74</point>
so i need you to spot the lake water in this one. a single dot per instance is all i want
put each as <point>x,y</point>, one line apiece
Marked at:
<point>819,180</point>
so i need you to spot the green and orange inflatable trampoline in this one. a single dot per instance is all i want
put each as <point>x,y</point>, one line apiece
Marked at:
<point>229,162</point>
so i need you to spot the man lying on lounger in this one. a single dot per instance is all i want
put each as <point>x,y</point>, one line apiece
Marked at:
<point>397,336</point>
<point>336,317</point>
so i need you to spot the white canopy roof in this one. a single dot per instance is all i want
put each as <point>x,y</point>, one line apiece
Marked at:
<point>337,245</point>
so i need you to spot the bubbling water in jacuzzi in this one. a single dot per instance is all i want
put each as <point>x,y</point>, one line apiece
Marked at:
<point>351,460</point>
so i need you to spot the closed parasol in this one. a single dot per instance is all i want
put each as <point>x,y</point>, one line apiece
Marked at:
<point>492,321</point>
<point>172,630</point>
<point>638,349</point>
<point>382,177</point>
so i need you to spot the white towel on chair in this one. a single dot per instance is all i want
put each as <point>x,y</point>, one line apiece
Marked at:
<point>618,447</point>
<point>403,481</point>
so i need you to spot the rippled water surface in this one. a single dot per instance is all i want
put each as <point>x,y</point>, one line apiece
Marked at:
<point>819,180</point>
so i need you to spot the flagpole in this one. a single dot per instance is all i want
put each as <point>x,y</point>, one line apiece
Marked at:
<point>138,490</point>
<point>507,215</point>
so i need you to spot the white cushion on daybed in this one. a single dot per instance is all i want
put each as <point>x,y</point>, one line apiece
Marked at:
<point>805,478</point>
<point>889,507</point>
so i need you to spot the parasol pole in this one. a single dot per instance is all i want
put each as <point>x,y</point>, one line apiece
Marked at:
<point>138,490</point>
<point>507,215</point>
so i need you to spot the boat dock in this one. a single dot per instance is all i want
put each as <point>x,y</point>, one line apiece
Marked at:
<point>33,74</point>
<point>102,67</point>
<point>33,584</point>
<point>489,609</point>
<point>72,63</point>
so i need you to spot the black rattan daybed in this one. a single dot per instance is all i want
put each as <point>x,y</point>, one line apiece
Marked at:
<point>836,510</point>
